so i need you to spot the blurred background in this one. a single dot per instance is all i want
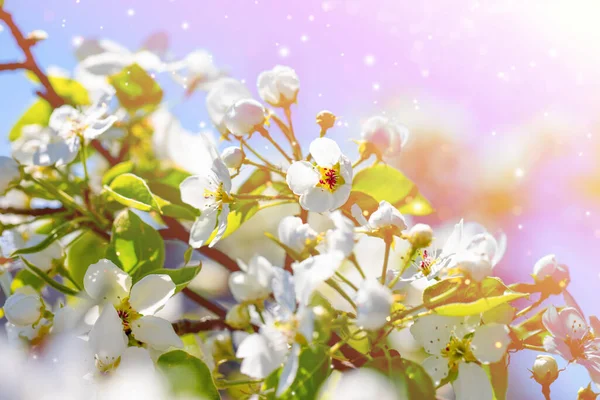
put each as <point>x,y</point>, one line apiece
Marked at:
<point>501,98</point>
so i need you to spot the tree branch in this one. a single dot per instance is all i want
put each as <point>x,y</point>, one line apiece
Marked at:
<point>36,212</point>
<point>210,306</point>
<point>12,66</point>
<point>186,326</point>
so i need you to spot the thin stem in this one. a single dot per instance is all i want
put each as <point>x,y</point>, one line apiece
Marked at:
<point>530,307</point>
<point>386,259</point>
<point>405,265</point>
<point>346,281</point>
<point>226,384</point>
<point>264,133</point>
<point>358,162</point>
<point>243,142</point>
<point>534,348</point>
<point>546,392</point>
<point>430,304</point>
<point>35,212</point>
<point>292,137</point>
<point>198,299</point>
<point>334,285</point>
<point>185,326</point>
<point>354,262</point>
<point>262,197</point>
<point>267,167</point>
<point>86,175</point>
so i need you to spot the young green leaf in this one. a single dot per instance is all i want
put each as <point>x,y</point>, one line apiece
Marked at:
<point>256,182</point>
<point>84,251</point>
<point>181,277</point>
<point>188,376</point>
<point>136,89</point>
<point>132,191</point>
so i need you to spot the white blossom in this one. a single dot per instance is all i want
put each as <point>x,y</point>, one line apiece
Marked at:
<point>233,157</point>
<point>325,186</point>
<point>209,192</point>
<point>548,267</point>
<point>253,282</point>
<point>295,234</point>
<point>279,86</point>
<point>386,216</point>
<point>244,117</point>
<point>24,307</point>
<point>373,301</point>
<point>41,146</point>
<point>341,237</point>
<point>386,137</point>
<point>481,255</point>
<point>9,172</point>
<point>221,97</point>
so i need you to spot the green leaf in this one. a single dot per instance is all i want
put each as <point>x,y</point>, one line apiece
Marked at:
<point>119,169</point>
<point>532,331</point>
<point>84,251</point>
<point>382,182</point>
<point>188,376</point>
<point>256,182</point>
<point>176,211</point>
<point>135,246</point>
<point>135,89</point>
<point>366,203</point>
<point>51,282</point>
<point>57,233</point>
<point>26,278</point>
<point>181,276</point>
<point>410,379</point>
<point>70,90</point>
<point>313,369</point>
<point>478,306</point>
<point>465,293</point>
<point>240,212</point>
<point>37,114</point>
<point>498,373</point>
<point>132,191</point>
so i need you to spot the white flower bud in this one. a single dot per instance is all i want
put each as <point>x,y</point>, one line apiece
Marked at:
<point>244,116</point>
<point>37,35</point>
<point>233,157</point>
<point>23,308</point>
<point>373,302</point>
<point>326,120</point>
<point>548,267</point>
<point>238,317</point>
<point>279,86</point>
<point>383,137</point>
<point>420,235</point>
<point>545,370</point>
<point>9,171</point>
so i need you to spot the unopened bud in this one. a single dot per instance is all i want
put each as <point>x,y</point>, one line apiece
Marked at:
<point>23,308</point>
<point>548,272</point>
<point>233,157</point>
<point>326,120</point>
<point>545,370</point>
<point>238,317</point>
<point>586,393</point>
<point>420,236</point>
<point>37,35</point>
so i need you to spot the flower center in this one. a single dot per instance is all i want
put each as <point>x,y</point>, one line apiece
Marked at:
<point>426,263</point>
<point>331,178</point>
<point>290,331</point>
<point>127,315</point>
<point>458,350</point>
<point>219,195</point>
<point>577,347</point>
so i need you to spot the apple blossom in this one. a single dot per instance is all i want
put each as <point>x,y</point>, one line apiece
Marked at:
<point>386,220</point>
<point>545,370</point>
<point>135,305</point>
<point>209,192</point>
<point>548,268</point>
<point>341,237</point>
<point>373,301</point>
<point>233,157</point>
<point>359,384</point>
<point>41,146</point>
<point>420,235</point>
<point>9,172</point>
<point>325,186</point>
<point>382,137</point>
<point>570,337</point>
<point>253,282</point>
<point>279,86</point>
<point>453,342</point>
<point>74,125</point>
<point>481,255</point>
<point>244,117</point>
<point>313,271</point>
<point>221,97</point>
<point>295,234</point>
<point>198,70</point>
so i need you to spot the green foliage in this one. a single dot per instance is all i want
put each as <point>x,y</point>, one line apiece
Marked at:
<point>84,251</point>
<point>477,306</point>
<point>256,182</point>
<point>57,233</point>
<point>531,331</point>
<point>135,89</point>
<point>71,91</point>
<point>498,373</point>
<point>125,167</point>
<point>46,278</point>
<point>313,368</point>
<point>135,246</point>
<point>26,278</point>
<point>410,379</point>
<point>382,182</point>
<point>132,191</point>
<point>37,114</point>
<point>188,376</point>
<point>241,211</point>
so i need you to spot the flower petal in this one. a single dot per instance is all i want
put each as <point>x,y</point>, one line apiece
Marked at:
<point>203,227</point>
<point>61,116</point>
<point>98,127</point>
<point>434,331</point>
<point>472,383</point>
<point>156,332</point>
<point>437,368</point>
<point>313,271</point>
<point>553,323</point>
<point>193,190</point>
<point>290,368</point>
<point>301,177</point>
<point>325,151</point>
<point>317,200</point>
<point>490,342</point>
<point>283,289</point>
<point>221,224</point>
<point>135,360</point>
<point>340,196</point>
<point>107,338</point>
<point>151,293</point>
<point>556,345</point>
<point>105,281</point>
<point>574,323</point>
<point>261,354</point>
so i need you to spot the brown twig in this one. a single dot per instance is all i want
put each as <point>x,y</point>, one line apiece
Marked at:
<point>186,326</point>
<point>210,306</point>
<point>35,212</point>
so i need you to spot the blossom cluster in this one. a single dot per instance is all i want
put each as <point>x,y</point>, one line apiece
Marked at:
<point>110,209</point>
